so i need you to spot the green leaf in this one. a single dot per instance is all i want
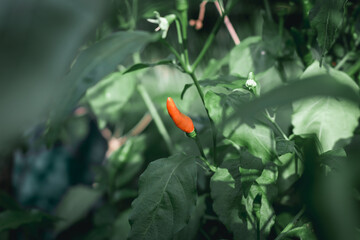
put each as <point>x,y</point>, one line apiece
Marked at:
<point>250,56</point>
<point>167,196</point>
<point>7,202</point>
<point>108,97</point>
<point>126,162</point>
<point>319,85</point>
<point>74,205</point>
<point>227,198</point>
<point>304,232</point>
<point>331,119</point>
<point>97,61</point>
<point>326,17</point>
<point>190,231</point>
<point>244,214</point>
<point>284,146</point>
<point>13,219</point>
<point>140,66</point>
<point>257,138</point>
<point>57,32</point>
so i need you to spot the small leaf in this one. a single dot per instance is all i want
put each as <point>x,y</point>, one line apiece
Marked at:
<point>186,87</point>
<point>140,66</point>
<point>167,196</point>
<point>326,17</point>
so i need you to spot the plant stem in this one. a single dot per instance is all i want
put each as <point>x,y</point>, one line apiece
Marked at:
<point>180,39</point>
<point>272,120</point>
<point>291,224</point>
<point>156,117</point>
<point>208,42</point>
<point>173,50</point>
<point>354,68</point>
<point>184,24</point>
<point>268,10</point>
<point>203,157</point>
<point>212,125</point>
<point>343,61</point>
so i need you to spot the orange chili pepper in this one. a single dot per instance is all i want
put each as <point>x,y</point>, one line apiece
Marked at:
<point>181,120</point>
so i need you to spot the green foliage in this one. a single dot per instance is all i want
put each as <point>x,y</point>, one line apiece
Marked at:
<point>74,205</point>
<point>326,17</point>
<point>328,114</point>
<point>276,146</point>
<point>167,197</point>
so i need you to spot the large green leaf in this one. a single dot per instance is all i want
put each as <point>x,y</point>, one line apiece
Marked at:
<point>97,61</point>
<point>331,119</point>
<point>256,137</point>
<point>326,17</point>
<point>167,196</point>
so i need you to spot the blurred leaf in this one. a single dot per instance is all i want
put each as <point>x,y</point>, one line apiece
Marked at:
<point>326,17</point>
<point>7,202</point>
<point>328,115</point>
<point>36,51</point>
<point>97,61</point>
<point>250,48</point>
<point>167,196</point>
<point>108,97</point>
<point>13,219</point>
<point>278,46</point>
<point>304,232</point>
<point>126,162</point>
<point>140,66</point>
<point>121,226</point>
<point>75,204</point>
<point>191,230</point>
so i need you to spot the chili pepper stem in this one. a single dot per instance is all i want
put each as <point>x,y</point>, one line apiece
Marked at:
<point>203,157</point>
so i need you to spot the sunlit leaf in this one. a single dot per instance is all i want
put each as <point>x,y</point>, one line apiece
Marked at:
<point>331,119</point>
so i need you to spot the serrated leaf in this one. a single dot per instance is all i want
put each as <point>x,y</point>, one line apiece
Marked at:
<point>227,197</point>
<point>326,17</point>
<point>167,196</point>
<point>331,119</point>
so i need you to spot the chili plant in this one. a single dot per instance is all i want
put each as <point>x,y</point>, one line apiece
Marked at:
<point>266,145</point>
